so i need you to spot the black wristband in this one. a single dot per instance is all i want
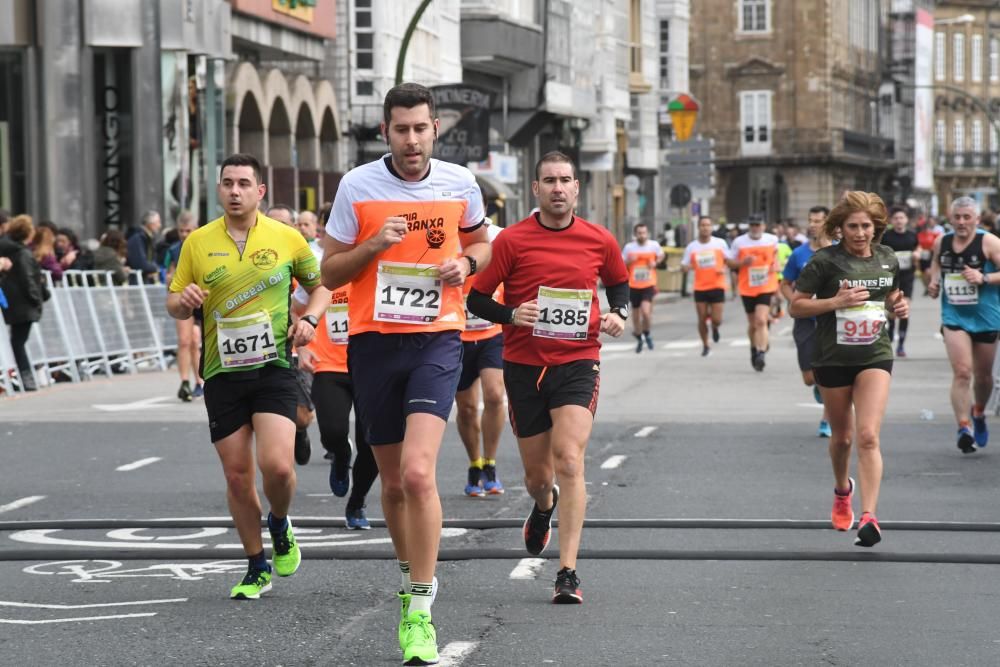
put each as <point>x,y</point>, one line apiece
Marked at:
<point>311,319</point>
<point>472,264</point>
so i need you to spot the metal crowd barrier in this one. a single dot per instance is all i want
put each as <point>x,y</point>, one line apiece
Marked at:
<point>11,376</point>
<point>92,326</point>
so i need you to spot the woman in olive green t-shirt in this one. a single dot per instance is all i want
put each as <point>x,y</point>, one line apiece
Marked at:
<point>848,288</point>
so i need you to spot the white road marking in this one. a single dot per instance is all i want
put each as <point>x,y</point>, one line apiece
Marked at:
<point>138,464</point>
<point>346,538</point>
<point>681,345</point>
<point>613,462</point>
<point>126,534</point>
<point>809,405</point>
<point>454,653</point>
<point>34,605</point>
<point>17,621</point>
<point>617,347</point>
<point>527,568</point>
<point>134,405</point>
<point>740,342</point>
<point>17,504</point>
<point>644,431</point>
<point>45,537</point>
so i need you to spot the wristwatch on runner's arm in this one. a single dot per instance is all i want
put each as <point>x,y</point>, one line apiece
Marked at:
<point>621,311</point>
<point>311,319</point>
<point>472,264</point>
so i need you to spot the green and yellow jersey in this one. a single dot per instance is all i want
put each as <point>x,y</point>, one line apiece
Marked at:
<point>246,312</point>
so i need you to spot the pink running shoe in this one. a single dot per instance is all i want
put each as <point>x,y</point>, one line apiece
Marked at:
<point>842,516</point>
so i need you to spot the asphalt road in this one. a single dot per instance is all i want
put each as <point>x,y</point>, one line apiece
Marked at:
<point>709,541</point>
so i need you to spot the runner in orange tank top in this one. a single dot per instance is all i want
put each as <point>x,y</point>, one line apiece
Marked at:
<point>641,257</point>
<point>706,258</point>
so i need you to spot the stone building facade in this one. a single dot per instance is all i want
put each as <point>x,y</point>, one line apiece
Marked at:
<point>789,92</point>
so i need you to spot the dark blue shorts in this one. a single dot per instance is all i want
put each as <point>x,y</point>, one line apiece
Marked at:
<point>396,375</point>
<point>477,355</point>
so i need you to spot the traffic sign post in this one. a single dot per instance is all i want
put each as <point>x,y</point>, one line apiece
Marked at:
<point>683,111</point>
<point>689,163</point>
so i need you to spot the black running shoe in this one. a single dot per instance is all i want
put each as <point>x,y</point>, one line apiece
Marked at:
<point>715,334</point>
<point>966,441</point>
<point>185,393</point>
<point>758,362</point>
<point>538,526</point>
<point>303,448</point>
<point>567,588</point>
<point>869,534</point>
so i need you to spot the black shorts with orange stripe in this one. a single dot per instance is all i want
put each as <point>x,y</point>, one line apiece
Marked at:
<point>532,391</point>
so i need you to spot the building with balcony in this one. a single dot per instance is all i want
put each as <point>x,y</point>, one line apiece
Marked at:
<point>966,80</point>
<point>790,93</point>
<point>372,39</point>
<point>279,105</point>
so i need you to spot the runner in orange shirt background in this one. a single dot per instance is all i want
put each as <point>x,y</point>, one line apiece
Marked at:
<point>641,257</point>
<point>706,257</point>
<point>755,255</point>
<point>333,395</point>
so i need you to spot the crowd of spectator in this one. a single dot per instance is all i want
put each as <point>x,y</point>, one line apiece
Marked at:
<point>29,249</point>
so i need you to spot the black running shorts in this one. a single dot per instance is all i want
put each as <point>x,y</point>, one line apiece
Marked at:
<point>985,337</point>
<point>750,303</point>
<point>232,398</point>
<point>710,296</point>
<point>832,377</point>
<point>906,282</point>
<point>534,390</point>
<point>640,294</point>
<point>477,355</point>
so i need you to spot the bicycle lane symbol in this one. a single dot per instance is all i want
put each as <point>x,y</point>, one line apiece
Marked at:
<point>106,571</point>
<point>140,538</point>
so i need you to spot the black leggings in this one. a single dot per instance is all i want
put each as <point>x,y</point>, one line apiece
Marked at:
<point>18,342</point>
<point>903,326</point>
<point>333,396</point>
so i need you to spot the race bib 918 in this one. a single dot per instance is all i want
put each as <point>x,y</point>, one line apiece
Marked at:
<point>861,324</point>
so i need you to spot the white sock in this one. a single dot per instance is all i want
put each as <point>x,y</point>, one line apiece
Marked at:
<point>421,600</point>
<point>404,570</point>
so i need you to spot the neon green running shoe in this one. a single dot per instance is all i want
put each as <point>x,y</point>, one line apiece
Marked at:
<point>404,603</point>
<point>254,584</point>
<point>404,611</point>
<point>419,640</point>
<point>286,554</point>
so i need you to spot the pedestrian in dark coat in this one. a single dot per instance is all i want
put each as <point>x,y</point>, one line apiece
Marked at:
<point>22,285</point>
